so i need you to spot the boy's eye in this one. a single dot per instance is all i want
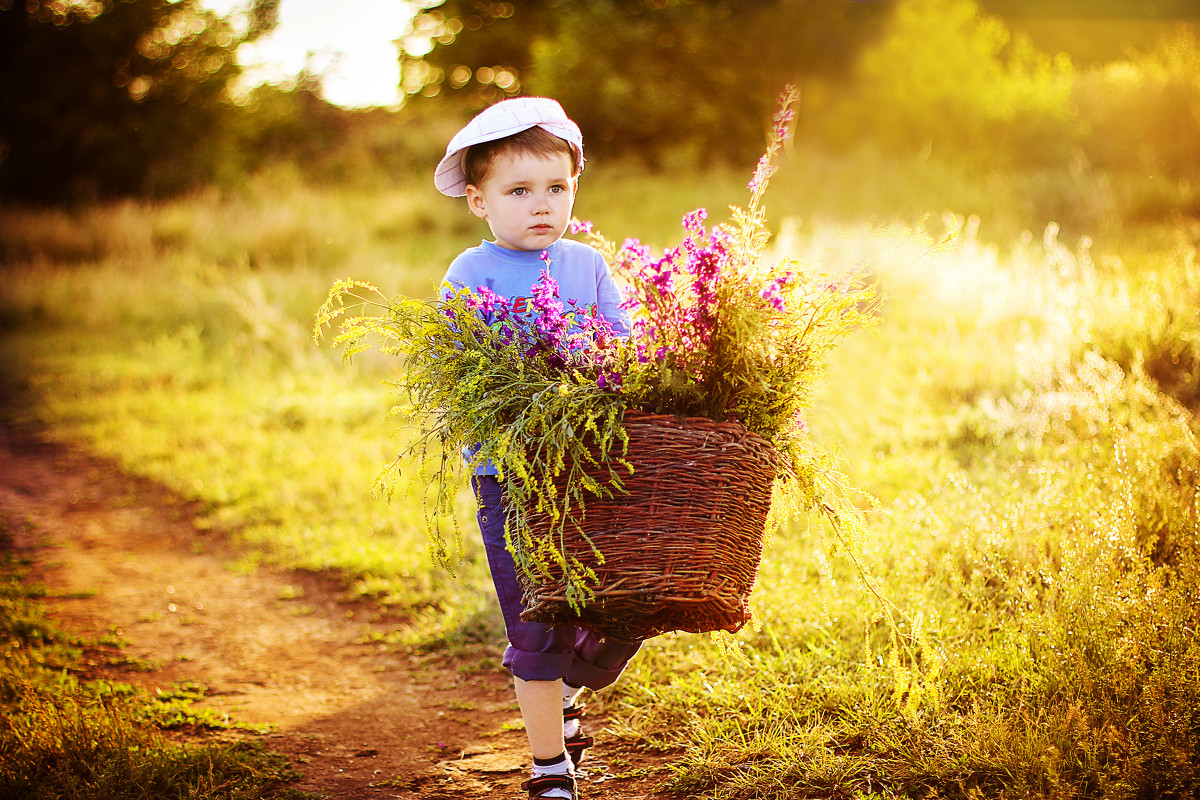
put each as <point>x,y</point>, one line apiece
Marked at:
<point>520,190</point>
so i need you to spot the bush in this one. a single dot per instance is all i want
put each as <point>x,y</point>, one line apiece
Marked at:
<point>952,81</point>
<point>1150,322</point>
<point>1143,113</point>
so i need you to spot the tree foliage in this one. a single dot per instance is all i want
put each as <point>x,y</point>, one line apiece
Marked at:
<point>1143,112</point>
<point>639,75</point>
<point>951,79</point>
<point>105,97</point>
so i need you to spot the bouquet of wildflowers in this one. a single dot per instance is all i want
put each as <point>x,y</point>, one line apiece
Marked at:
<point>718,331</point>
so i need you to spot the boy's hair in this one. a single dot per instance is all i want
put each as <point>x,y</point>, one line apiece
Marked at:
<point>477,160</point>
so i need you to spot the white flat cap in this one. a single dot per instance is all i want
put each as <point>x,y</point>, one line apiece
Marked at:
<point>496,122</point>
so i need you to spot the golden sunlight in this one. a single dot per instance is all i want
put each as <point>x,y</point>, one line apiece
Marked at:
<point>349,45</point>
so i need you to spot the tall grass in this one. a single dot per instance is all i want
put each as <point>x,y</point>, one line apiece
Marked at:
<point>1030,460</point>
<point>1037,515</point>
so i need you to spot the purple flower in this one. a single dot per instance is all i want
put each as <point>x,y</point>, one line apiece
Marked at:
<point>609,380</point>
<point>773,293</point>
<point>633,251</point>
<point>492,303</point>
<point>693,222</point>
<point>762,173</point>
<point>782,123</point>
<point>579,226</point>
<point>774,299</point>
<point>661,277</point>
<point>780,133</point>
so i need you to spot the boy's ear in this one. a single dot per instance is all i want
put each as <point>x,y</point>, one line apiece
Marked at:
<point>475,201</point>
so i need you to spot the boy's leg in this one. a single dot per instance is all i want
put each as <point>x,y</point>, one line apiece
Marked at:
<point>598,663</point>
<point>539,656</point>
<point>539,652</point>
<point>541,711</point>
<point>535,652</point>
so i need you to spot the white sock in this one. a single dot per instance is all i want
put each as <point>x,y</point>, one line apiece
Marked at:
<point>559,766</point>
<point>570,728</point>
<point>570,695</point>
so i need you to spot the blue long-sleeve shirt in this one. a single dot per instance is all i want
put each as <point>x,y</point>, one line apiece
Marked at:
<point>581,272</point>
<point>579,269</point>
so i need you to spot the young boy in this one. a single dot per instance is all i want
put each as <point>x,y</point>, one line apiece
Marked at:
<point>518,164</point>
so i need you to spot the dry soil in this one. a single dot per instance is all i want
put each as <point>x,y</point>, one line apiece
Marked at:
<point>122,555</point>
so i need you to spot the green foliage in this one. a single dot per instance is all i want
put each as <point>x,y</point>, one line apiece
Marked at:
<point>1143,111</point>
<point>290,126</point>
<point>114,98</point>
<point>73,746</point>
<point>947,79</point>
<point>940,86</point>
<point>473,387</point>
<point>1163,340</point>
<point>640,77</point>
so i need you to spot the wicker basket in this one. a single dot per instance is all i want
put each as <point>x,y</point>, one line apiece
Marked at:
<point>681,549</point>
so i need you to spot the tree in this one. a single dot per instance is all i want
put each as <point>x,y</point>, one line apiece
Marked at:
<point>950,79</point>
<point>113,97</point>
<point>640,75</point>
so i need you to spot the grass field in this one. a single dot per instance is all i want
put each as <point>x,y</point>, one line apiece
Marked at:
<point>1021,424</point>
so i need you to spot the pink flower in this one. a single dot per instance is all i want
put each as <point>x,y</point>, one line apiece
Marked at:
<point>693,222</point>
<point>609,380</point>
<point>773,293</point>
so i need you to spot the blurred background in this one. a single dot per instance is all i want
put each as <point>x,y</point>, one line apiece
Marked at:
<point>1097,103</point>
<point>181,182</point>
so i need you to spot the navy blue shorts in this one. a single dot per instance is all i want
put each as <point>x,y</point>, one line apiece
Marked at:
<point>538,652</point>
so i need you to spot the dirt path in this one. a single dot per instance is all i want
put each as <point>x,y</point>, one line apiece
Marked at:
<point>359,720</point>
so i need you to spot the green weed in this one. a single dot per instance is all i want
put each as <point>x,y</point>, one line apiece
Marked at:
<point>66,739</point>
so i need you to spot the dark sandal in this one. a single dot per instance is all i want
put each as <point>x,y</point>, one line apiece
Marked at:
<point>578,743</point>
<point>538,787</point>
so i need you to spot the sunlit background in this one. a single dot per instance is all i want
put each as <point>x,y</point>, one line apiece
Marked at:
<point>158,100</point>
<point>351,45</point>
<point>181,182</point>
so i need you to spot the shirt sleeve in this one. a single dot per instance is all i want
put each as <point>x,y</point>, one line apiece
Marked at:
<point>455,278</point>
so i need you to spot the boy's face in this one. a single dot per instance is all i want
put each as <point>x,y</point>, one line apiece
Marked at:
<point>525,199</point>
